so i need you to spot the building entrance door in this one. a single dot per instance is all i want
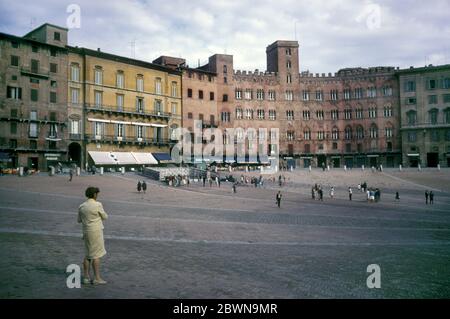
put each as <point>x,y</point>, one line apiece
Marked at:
<point>322,161</point>
<point>336,162</point>
<point>432,159</point>
<point>349,162</point>
<point>33,163</point>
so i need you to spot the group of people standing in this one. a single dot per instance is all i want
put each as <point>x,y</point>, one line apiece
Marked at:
<point>429,197</point>
<point>141,186</point>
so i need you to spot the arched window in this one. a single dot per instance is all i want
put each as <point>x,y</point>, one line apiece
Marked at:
<point>389,131</point>
<point>98,75</point>
<point>307,134</point>
<point>374,131</point>
<point>335,133</point>
<point>360,132</point>
<point>239,113</point>
<point>120,83</point>
<point>412,117</point>
<point>348,133</point>
<point>433,116</point>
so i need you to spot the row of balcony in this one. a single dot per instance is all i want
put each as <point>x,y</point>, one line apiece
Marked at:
<point>144,141</point>
<point>120,111</point>
<point>27,120</point>
<point>430,124</point>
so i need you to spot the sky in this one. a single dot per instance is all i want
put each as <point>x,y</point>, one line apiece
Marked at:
<point>333,34</point>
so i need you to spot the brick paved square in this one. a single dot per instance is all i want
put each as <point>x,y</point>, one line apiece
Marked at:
<point>206,242</point>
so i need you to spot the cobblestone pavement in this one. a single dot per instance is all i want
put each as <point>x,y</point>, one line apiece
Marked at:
<point>206,242</point>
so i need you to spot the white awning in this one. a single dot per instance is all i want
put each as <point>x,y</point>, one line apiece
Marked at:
<point>414,155</point>
<point>141,124</point>
<point>158,125</point>
<point>119,122</point>
<point>125,158</point>
<point>102,158</point>
<point>145,158</point>
<point>98,120</point>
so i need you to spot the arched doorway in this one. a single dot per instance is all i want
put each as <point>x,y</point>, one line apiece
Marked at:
<point>75,153</point>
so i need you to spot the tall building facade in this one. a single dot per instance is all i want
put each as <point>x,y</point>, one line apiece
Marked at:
<point>33,98</point>
<point>425,116</point>
<point>60,103</point>
<point>120,108</point>
<point>348,118</point>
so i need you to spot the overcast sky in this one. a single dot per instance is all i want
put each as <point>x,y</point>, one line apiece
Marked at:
<point>333,34</point>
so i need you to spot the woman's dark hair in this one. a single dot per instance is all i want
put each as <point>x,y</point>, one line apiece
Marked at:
<point>91,191</point>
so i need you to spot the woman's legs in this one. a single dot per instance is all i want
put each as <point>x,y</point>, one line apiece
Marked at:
<point>96,267</point>
<point>86,264</point>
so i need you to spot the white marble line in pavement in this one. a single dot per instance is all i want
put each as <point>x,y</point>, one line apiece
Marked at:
<point>125,202</point>
<point>223,242</point>
<point>415,184</point>
<point>28,209</point>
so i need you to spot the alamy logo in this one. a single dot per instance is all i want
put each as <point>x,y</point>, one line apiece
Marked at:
<point>374,279</point>
<point>74,278</point>
<point>371,14</point>
<point>234,145</point>
<point>74,19</point>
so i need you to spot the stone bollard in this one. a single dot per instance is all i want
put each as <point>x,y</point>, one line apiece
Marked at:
<point>362,168</point>
<point>292,168</point>
<point>78,171</point>
<point>419,168</point>
<point>345,167</point>
<point>439,167</point>
<point>101,170</point>
<point>381,168</point>
<point>328,167</point>
<point>21,171</point>
<point>310,168</point>
<point>400,167</point>
<point>122,170</point>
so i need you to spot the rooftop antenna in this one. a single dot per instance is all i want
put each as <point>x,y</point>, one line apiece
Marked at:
<point>133,48</point>
<point>295,30</point>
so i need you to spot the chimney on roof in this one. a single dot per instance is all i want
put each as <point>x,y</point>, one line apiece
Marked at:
<point>98,49</point>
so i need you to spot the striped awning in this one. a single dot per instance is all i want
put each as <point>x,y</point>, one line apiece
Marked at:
<point>145,158</point>
<point>102,158</point>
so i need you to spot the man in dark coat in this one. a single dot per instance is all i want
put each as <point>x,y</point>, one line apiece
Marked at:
<point>139,186</point>
<point>144,186</point>
<point>278,198</point>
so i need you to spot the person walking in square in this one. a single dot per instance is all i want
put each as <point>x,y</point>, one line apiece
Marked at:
<point>70,175</point>
<point>144,186</point>
<point>350,193</point>
<point>397,196</point>
<point>139,186</point>
<point>91,215</point>
<point>332,192</point>
<point>320,194</point>
<point>426,197</point>
<point>278,198</point>
<point>431,198</point>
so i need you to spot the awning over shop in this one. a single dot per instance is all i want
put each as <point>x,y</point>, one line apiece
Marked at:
<point>145,158</point>
<point>413,155</point>
<point>4,157</point>
<point>103,158</point>
<point>124,158</point>
<point>162,157</point>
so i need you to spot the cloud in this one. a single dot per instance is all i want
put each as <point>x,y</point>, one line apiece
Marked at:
<point>333,34</point>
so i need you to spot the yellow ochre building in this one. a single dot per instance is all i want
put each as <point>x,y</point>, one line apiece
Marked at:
<point>121,111</point>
